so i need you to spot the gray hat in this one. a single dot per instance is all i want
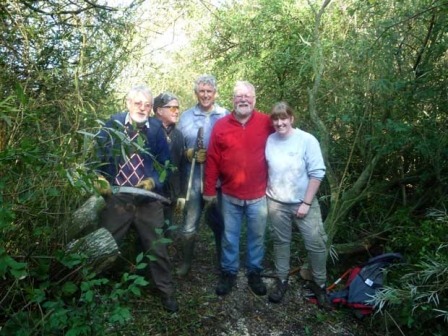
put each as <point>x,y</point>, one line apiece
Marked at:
<point>163,99</point>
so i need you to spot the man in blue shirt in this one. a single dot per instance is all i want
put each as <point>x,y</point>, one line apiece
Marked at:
<point>204,114</point>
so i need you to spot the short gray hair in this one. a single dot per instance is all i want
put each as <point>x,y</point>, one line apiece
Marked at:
<point>245,84</point>
<point>205,79</point>
<point>146,91</point>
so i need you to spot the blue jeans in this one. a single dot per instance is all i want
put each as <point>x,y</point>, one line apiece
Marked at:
<point>256,218</point>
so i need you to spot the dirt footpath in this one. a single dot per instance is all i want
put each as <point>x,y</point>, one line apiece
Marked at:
<point>242,313</point>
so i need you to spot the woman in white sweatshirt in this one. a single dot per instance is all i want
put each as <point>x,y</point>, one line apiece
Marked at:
<point>295,169</point>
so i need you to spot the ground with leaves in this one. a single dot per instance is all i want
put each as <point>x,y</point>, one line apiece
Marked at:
<point>241,312</point>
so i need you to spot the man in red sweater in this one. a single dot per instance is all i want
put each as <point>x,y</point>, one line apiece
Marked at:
<point>236,158</point>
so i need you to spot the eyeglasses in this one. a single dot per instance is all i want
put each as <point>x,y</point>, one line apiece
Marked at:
<point>172,108</point>
<point>139,104</point>
<point>244,97</point>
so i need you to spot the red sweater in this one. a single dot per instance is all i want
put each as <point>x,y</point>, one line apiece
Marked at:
<point>236,157</point>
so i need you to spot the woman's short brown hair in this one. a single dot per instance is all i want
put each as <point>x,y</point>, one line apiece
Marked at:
<point>281,110</point>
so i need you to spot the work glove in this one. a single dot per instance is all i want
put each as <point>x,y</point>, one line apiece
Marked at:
<point>147,184</point>
<point>102,186</point>
<point>189,153</point>
<point>209,200</point>
<point>199,155</point>
<point>180,204</point>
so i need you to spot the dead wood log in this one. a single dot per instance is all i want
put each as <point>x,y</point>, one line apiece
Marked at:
<point>85,219</point>
<point>99,248</point>
<point>84,236</point>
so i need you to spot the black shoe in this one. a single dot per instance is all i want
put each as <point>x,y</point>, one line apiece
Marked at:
<point>225,284</point>
<point>256,284</point>
<point>320,293</point>
<point>279,291</point>
<point>169,303</point>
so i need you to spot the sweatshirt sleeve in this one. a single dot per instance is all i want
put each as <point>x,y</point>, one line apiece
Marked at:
<point>314,159</point>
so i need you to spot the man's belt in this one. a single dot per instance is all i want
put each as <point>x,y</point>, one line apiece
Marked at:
<point>139,191</point>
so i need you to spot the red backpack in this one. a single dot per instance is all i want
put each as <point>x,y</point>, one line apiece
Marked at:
<point>362,283</point>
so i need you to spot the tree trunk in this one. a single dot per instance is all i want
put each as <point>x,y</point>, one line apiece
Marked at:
<point>99,248</point>
<point>84,220</point>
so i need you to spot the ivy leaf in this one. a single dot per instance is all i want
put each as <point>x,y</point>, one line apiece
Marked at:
<point>69,288</point>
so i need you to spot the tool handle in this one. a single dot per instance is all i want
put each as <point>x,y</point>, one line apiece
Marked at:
<point>199,145</point>
<point>190,179</point>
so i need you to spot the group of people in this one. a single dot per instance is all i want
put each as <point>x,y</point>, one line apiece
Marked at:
<point>237,167</point>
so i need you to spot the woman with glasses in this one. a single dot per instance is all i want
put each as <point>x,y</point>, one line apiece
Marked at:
<point>166,109</point>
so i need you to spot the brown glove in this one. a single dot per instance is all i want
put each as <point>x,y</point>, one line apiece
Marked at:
<point>102,186</point>
<point>147,184</point>
<point>189,154</point>
<point>201,155</point>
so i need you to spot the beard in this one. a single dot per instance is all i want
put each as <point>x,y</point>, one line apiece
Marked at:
<point>243,109</point>
<point>139,119</point>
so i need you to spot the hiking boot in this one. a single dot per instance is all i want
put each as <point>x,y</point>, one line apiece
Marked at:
<point>169,303</point>
<point>225,284</point>
<point>320,293</point>
<point>307,292</point>
<point>256,284</point>
<point>279,291</point>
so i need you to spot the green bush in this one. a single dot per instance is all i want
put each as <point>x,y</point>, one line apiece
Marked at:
<point>416,296</point>
<point>84,304</point>
<point>418,239</point>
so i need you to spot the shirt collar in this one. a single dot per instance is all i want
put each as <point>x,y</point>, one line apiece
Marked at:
<point>199,111</point>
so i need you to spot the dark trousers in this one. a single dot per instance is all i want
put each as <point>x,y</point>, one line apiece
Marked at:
<point>146,215</point>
